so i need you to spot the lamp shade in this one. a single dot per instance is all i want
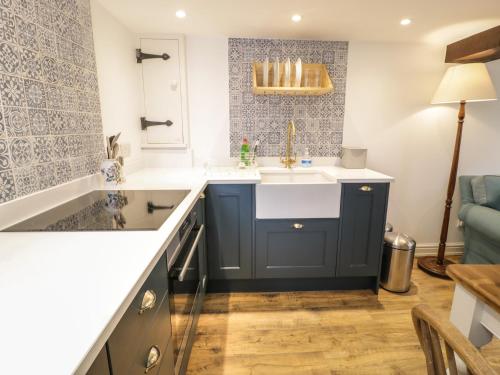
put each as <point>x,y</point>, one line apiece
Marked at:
<point>465,82</point>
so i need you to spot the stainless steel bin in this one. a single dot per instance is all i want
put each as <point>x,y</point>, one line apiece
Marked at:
<point>397,262</point>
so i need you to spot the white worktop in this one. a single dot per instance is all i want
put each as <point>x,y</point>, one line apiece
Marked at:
<point>63,293</point>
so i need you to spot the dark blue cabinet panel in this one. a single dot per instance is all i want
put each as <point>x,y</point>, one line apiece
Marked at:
<point>100,365</point>
<point>229,231</point>
<point>157,337</point>
<point>296,248</point>
<point>125,342</point>
<point>363,215</point>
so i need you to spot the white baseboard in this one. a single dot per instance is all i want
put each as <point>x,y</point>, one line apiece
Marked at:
<point>455,248</point>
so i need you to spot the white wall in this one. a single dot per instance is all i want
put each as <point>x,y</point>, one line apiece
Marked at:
<point>389,87</point>
<point>208,103</point>
<point>118,81</point>
<point>208,91</point>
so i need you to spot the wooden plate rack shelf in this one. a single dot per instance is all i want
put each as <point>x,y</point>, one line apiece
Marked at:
<point>309,76</point>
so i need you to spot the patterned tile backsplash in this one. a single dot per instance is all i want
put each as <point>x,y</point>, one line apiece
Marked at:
<point>319,120</point>
<point>50,121</point>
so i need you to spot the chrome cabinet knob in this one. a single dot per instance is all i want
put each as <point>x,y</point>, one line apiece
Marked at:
<point>366,188</point>
<point>297,226</point>
<point>153,358</point>
<point>148,301</point>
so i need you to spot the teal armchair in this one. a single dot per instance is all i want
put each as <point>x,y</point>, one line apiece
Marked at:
<point>482,227</point>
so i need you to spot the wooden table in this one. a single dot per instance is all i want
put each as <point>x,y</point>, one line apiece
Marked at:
<point>476,303</point>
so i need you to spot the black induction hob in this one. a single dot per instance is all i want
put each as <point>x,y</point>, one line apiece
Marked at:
<point>102,210</point>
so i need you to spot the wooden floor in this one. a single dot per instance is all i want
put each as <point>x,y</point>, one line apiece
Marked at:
<point>316,333</point>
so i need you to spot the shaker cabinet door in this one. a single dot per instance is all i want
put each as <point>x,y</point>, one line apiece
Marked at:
<point>229,231</point>
<point>296,248</point>
<point>363,215</point>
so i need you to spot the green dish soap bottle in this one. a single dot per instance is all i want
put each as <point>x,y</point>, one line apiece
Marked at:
<point>244,154</point>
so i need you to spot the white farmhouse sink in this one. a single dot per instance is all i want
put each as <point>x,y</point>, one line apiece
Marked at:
<point>296,194</point>
<point>294,177</point>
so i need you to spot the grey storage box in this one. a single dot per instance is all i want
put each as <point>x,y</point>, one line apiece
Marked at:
<point>353,157</point>
<point>397,262</point>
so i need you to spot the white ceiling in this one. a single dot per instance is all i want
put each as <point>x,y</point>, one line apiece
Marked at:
<point>434,21</point>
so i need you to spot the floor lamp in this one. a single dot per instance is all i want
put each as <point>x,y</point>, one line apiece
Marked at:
<point>462,84</point>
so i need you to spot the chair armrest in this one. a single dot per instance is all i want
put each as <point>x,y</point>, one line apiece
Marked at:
<point>482,219</point>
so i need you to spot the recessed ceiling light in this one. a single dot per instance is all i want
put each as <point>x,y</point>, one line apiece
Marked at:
<point>296,18</point>
<point>405,21</point>
<point>180,13</point>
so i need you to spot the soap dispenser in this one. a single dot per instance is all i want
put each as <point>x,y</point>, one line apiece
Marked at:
<point>306,160</point>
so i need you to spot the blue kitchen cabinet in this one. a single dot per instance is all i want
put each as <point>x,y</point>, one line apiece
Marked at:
<point>363,216</point>
<point>298,248</point>
<point>229,216</point>
<point>145,324</point>
<point>100,365</point>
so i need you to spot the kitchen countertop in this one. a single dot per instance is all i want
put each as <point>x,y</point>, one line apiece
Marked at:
<point>64,292</point>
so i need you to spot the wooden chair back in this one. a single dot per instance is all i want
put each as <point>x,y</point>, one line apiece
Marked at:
<point>431,330</point>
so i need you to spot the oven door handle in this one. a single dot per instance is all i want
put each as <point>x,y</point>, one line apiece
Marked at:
<point>185,267</point>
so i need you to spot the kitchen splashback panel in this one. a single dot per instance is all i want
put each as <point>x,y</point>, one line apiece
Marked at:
<point>50,125</point>
<point>318,119</point>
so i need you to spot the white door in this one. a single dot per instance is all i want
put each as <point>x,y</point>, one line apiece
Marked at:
<point>163,84</point>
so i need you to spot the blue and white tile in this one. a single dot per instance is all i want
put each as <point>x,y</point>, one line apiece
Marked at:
<point>7,26</point>
<point>50,70</point>
<point>38,121</point>
<point>7,186</point>
<point>47,42</point>
<point>4,155</point>
<point>61,148</point>
<point>9,58</point>
<point>16,121</point>
<point>54,97</point>
<point>35,93</point>
<point>3,131</point>
<point>26,34</point>
<point>44,11</point>
<point>21,151</point>
<point>31,66</point>
<point>42,149</point>
<point>58,122</point>
<point>12,89</point>
<point>26,180</point>
<point>46,175</point>
<point>62,170</point>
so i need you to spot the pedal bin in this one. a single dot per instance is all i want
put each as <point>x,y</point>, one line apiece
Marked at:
<point>397,262</point>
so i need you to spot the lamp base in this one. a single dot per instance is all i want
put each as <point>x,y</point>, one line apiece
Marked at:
<point>430,265</point>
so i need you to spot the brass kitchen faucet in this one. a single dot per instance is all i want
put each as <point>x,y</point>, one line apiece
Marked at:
<point>288,161</point>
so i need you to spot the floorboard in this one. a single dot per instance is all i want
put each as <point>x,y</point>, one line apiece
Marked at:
<point>317,333</point>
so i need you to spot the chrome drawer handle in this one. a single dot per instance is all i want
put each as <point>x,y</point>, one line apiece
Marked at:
<point>366,188</point>
<point>185,267</point>
<point>153,358</point>
<point>297,226</point>
<point>148,301</point>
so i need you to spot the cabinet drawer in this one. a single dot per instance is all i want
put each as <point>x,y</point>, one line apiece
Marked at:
<point>156,337</point>
<point>124,341</point>
<point>296,248</point>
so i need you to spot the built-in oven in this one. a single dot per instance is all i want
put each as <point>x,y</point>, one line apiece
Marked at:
<point>186,287</point>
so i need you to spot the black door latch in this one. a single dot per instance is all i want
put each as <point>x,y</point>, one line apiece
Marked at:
<point>139,55</point>
<point>146,123</point>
